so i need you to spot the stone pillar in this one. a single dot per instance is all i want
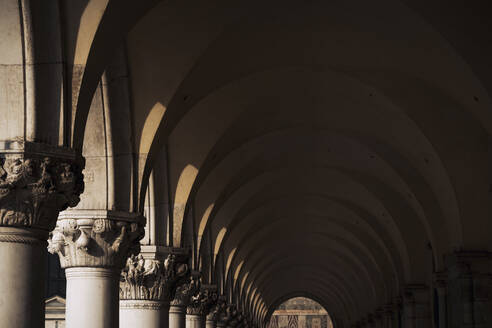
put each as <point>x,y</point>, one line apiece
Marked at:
<point>469,290</point>
<point>371,323</point>
<point>416,307</point>
<point>37,181</point>
<point>388,316</point>
<point>147,286</point>
<point>200,306</point>
<point>378,318</point>
<point>440,284</point>
<point>182,298</point>
<point>93,246</point>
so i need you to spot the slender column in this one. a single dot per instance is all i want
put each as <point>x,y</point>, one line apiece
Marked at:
<point>416,307</point>
<point>371,323</point>
<point>440,283</point>
<point>92,246</point>
<point>379,319</point>
<point>147,286</point>
<point>469,290</point>
<point>388,316</point>
<point>182,298</point>
<point>37,181</point>
<point>210,322</point>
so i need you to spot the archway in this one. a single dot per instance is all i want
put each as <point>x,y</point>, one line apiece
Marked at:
<point>300,312</point>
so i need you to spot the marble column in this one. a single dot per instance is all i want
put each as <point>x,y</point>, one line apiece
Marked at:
<point>417,307</point>
<point>37,181</point>
<point>93,246</point>
<point>200,306</point>
<point>182,298</point>
<point>469,290</point>
<point>147,286</point>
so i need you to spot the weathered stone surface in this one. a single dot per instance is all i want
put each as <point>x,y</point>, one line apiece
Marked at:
<point>36,183</point>
<point>153,280</point>
<point>188,288</point>
<point>203,302</point>
<point>104,240</point>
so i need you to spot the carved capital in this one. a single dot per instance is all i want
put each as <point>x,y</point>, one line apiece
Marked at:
<point>36,183</point>
<point>96,238</point>
<point>186,289</point>
<point>228,316</point>
<point>237,320</point>
<point>218,310</point>
<point>151,279</point>
<point>203,302</point>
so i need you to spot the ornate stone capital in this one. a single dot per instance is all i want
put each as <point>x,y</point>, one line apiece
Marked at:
<point>37,181</point>
<point>218,310</point>
<point>96,238</point>
<point>186,289</point>
<point>203,302</point>
<point>228,317</point>
<point>151,279</point>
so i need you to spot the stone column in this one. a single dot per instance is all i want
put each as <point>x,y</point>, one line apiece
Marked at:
<point>379,318</point>
<point>182,298</point>
<point>387,316</point>
<point>440,284</point>
<point>200,306</point>
<point>416,307</point>
<point>37,181</point>
<point>147,286</point>
<point>371,323</point>
<point>469,290</point>
<point>93,246</point>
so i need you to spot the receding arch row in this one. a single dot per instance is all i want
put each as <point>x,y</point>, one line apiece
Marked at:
<point>446,247</point>
<point>287,197</point>
<point>419,160</point>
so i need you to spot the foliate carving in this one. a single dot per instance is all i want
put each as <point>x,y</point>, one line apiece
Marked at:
<point>150,279</point>
<point>186,289</point>
<point>218,310</point>
<point>228,315</point>
<point>101,242</point>
<point>236,319</point>
<point>34,190</point>
<point>202,303</point>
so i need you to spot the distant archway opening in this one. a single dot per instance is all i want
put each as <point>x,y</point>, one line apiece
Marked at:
<point>300,312</point>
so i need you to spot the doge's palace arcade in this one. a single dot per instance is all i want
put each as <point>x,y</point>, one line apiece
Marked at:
<point>196,164</point>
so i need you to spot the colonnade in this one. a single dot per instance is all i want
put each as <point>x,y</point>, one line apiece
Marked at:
<point>113,281</point>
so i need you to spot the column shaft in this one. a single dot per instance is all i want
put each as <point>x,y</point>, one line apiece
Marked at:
<point>92,297</point>
<point>210,324</point>
<point>195,321</point>
<point>177,316</point>
<point>22,279</point>
<point>143,313</point>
